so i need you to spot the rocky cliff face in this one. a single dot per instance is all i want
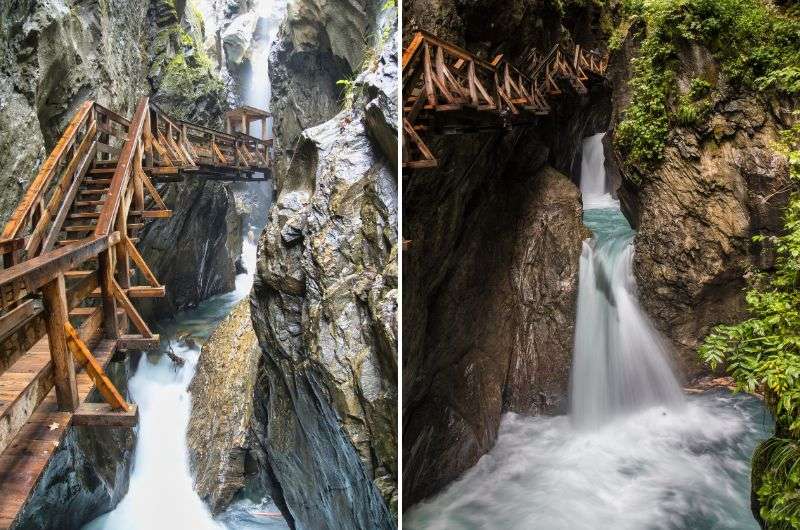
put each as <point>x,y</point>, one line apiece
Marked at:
<point>491,268</point>
<point>324,303</point>
<point>222,396</point>
<point>721,181</point>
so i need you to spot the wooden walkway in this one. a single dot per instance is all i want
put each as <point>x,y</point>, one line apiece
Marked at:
<point>69,257</point>
<point>449,90</point>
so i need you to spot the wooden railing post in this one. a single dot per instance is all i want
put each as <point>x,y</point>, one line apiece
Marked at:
<point>105,274</point>
<point>54,298</point>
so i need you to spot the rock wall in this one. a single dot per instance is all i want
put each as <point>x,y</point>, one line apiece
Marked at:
<point>324,303</point>
<point>222,409</point>
<point>720,182</point>
<point>495,238</point>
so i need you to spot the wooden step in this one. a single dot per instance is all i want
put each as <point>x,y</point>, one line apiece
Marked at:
<point>101,415</point>
<point>63,242</point>
<point>97,182</point>
<point>79,228</point>
<point>92,192</point>
<point>79,275</point>
<point>102,170</point>
<point>135,226</point>
<point>83,204</point>
<point>138,342</point>
<point>153,214</point>
<point>105,162</point>
<point>84,215</point>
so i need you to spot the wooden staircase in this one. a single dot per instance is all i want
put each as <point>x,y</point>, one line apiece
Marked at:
<point>69,256</point>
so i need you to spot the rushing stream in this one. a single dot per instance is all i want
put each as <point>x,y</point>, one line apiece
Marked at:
<point>161,492</point>
<point>634,453</point>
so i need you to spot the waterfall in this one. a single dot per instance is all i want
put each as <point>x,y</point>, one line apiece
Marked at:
<point>632,454</point>
<point>620,359</point>
<point>594,185</point>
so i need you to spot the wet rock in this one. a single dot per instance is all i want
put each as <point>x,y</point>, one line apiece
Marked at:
<point>324,303</point>
<point>222,408</point>
<point>194,252</point>
<point>491,268</point>
<point>720,183</point>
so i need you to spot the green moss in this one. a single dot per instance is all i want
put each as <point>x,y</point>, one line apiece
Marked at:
<point>756,45</point>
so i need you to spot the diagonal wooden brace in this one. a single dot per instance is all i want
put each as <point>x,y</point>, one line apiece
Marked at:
<point>84,357</point>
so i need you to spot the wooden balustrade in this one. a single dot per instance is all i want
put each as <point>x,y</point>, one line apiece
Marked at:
<point>447,88</point>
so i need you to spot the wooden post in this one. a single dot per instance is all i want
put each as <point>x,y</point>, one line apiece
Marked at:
<point>124,272</point>
<point>54,298</point>
<point>106,278</point>
<point>263,128</point>
<point>228,124</point>
<point>244,124</point>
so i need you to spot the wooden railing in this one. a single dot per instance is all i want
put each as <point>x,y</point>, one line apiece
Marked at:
<point>183,144</point>
<point>443,82</point>
<point>97,182</point>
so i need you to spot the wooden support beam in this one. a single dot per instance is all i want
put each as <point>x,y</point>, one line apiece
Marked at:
<point>130,309</point>
<point>106,280</point>
<point>54,298</point>
<point>138,342</point>
<point>103,415</point>
<point>95,370</point>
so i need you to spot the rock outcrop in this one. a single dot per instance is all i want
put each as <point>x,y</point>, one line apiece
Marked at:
<point>194,252</point>
<point>222,408</point>
<point>491,269</point>
<point>324,302</point>
<point>720,182</point>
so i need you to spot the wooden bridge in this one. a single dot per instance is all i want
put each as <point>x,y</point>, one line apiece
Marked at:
<point>448,90</point>
<point>69,257</point>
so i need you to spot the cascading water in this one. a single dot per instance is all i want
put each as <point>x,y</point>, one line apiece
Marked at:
<point>633,454</point>
<point>619,361</point>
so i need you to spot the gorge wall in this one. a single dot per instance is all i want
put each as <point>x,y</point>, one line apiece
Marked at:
<point>494,236</point>
<point>720,182</point>
<point>324,302</point>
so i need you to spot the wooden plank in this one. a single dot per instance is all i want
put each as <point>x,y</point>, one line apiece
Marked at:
<point>105,277</point>
<point>139,291</point>
<point>151,189</point>
<point>138,342</point>
<point>103,415</point>
<point>95,370</point>
<point>156,214</point>
<point>16,317</point>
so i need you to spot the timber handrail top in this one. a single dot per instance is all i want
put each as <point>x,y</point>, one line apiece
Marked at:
<point>37,271</point>
<point>219,134</point>
<point>113,115</point>
<point>452,49</point>
<point>39,184</point>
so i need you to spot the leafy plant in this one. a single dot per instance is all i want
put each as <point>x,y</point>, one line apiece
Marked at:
<point>756,45</point>
<point>762,353</point>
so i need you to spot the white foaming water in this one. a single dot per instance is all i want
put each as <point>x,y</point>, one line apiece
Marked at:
<point>161,491</point>
<point>632,454</point>
<point>650,470</point>
<point>594,188</point>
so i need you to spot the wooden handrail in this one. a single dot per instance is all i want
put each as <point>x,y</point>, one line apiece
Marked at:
<point>37,188</point>
<point>123,170</point>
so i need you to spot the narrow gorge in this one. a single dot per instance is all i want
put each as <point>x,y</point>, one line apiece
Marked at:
<point>271,400</point>
<point>580,233</point>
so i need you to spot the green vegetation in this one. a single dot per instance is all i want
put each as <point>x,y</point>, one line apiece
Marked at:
<point>351,89</point>
<point>763,354</point>
<point>757,46</point>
